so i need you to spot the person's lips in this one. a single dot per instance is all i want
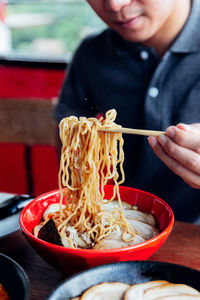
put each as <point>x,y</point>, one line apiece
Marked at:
<point>128,23</point>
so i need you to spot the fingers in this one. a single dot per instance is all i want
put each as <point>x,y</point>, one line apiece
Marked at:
<point>195,127</point>
<point>186,157</point>
<point>187,136</point>
<point>182,161</point>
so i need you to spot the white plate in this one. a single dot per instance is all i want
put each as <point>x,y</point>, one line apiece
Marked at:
<point>9,224</point>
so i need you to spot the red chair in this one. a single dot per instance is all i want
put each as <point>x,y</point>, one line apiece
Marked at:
<point>28,155</point>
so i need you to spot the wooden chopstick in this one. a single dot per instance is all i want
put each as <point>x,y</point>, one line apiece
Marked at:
<point>133,131</point>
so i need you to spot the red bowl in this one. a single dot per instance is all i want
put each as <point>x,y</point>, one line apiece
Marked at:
<point>73,260</point>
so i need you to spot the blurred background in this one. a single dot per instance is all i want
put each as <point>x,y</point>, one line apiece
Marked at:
<point>37,41</point>
<point>45,29</point>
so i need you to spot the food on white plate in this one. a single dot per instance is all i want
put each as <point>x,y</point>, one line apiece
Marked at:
<point>169,289</point>
<point>137,291</point>
<point>155,289</point>
<point>158,290</point>
<point>180,297</point>
<point>105,291</point>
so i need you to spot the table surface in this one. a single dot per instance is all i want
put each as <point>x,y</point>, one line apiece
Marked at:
<point>182,247</point>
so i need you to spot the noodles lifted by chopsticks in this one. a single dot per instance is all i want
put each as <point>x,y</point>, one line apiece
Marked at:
<point>88,160</point>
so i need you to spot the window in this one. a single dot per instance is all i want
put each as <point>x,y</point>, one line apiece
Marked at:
<point>46,30</point>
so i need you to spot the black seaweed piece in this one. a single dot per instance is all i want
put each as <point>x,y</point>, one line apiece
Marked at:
<point>49,233</point>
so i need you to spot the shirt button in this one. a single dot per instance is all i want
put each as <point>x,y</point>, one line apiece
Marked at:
<point>153,92</point>
<point>144,55</point>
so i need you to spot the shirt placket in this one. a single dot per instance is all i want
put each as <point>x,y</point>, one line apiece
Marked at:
<point>153,104</point>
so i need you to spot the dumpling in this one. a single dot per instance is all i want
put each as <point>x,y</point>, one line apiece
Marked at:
<point>136,291</point>
<point>160,290</point>
<point>105,291</point>
<point>169,289</point>
<point>180,297</point>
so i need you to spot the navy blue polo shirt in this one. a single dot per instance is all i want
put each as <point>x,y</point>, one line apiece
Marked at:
<point>108,72</point>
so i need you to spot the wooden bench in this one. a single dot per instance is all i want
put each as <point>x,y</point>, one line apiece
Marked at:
<point>28,154</point>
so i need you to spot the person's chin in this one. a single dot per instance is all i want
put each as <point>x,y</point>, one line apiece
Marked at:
<point>139,37</point>
<point>138,32</point>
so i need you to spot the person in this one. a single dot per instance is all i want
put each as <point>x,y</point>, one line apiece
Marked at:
<point>146,65</point>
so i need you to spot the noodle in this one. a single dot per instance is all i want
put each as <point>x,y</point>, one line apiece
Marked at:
<point>89,158</point>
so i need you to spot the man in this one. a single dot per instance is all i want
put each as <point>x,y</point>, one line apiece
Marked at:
<point>147,67</point>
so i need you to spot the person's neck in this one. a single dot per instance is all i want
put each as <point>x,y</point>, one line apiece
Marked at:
<point>171,29</point>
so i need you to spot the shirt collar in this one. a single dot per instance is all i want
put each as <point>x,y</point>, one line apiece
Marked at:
<point>187,41</point>
<point>120,46</point>
<point>124,48</point>
<point>189,38</point>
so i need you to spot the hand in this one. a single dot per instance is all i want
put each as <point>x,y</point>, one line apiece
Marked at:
<point>179,149</point>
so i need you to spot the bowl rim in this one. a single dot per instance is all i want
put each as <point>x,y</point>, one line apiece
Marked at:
<point>20,273</point>
<point>158,237</point>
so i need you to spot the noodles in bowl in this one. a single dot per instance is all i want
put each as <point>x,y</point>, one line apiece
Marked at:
<point>87,222</point>
<point>89,159</point>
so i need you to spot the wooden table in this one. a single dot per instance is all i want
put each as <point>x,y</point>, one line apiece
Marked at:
<point>182,247</point>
